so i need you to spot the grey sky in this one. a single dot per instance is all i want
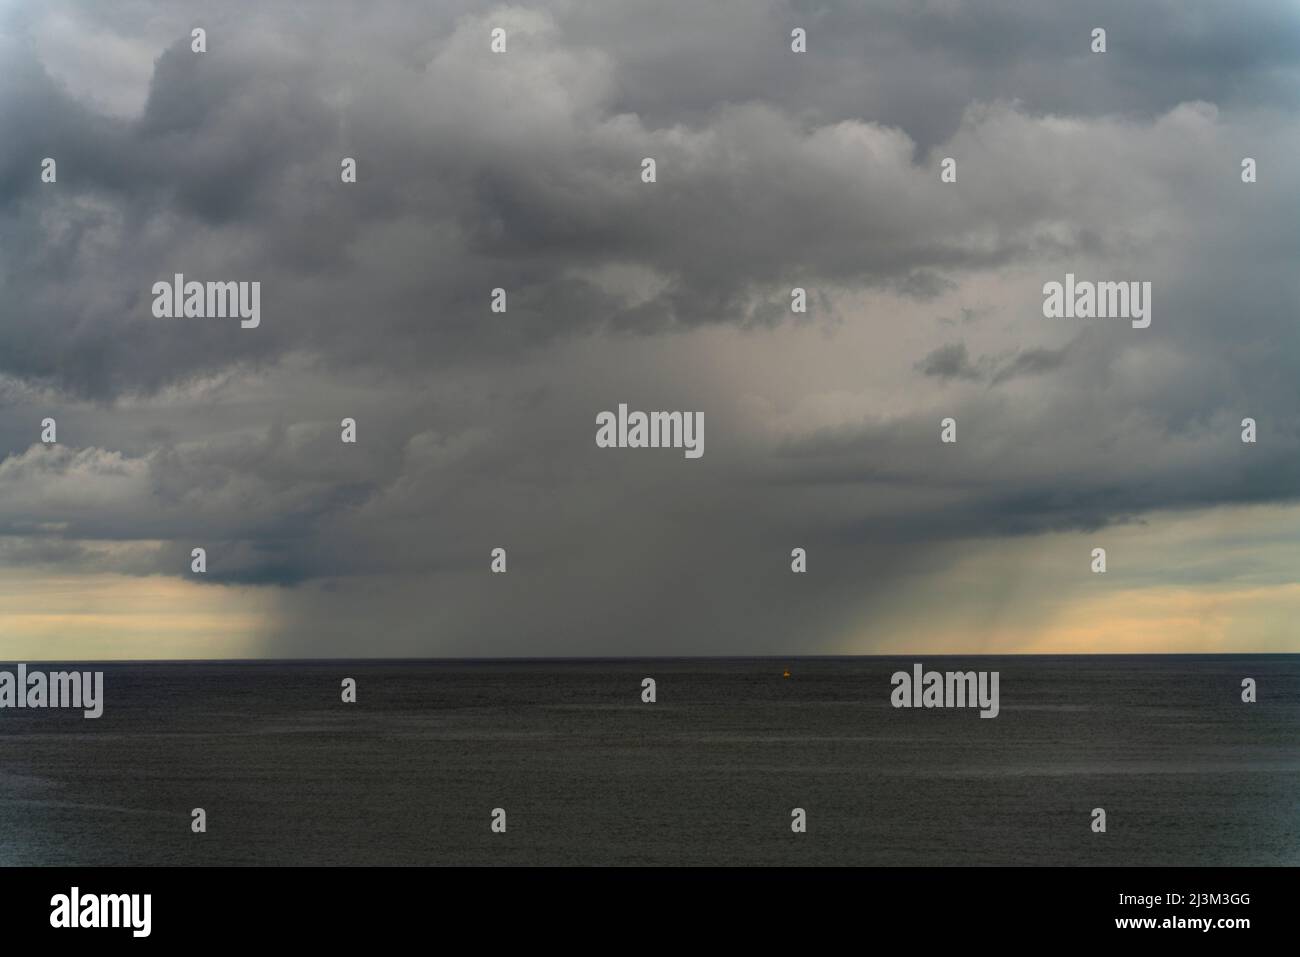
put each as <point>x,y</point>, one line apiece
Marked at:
<point>521,171</point>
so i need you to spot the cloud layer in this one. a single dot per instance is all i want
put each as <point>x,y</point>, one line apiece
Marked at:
<point>522,171</point>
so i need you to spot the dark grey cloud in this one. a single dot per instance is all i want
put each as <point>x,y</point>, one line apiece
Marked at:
<point>478,172</point>
<point>953,361</point>
<point>775,170</point>
<point>1030,362</point>
<point>918,65</point>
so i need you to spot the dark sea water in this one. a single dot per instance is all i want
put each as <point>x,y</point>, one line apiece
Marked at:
<point>587,774</point>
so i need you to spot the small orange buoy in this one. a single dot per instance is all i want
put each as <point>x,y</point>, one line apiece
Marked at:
<point>787,673</point>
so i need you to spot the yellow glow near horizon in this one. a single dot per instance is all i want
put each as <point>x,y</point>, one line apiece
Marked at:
<point>1176,583</point>
<point>103,616</point>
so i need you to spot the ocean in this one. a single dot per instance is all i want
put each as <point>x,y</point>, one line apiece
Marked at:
<point>709,774</point>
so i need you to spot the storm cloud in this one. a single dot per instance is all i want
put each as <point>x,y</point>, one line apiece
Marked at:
<point>522,171</point>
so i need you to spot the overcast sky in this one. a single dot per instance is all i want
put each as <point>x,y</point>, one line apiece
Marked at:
<point>477,430</point>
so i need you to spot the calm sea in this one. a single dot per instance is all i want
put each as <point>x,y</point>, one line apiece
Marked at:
<point>588,774</point>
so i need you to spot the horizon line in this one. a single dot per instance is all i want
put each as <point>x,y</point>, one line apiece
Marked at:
<point>504,659</point>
